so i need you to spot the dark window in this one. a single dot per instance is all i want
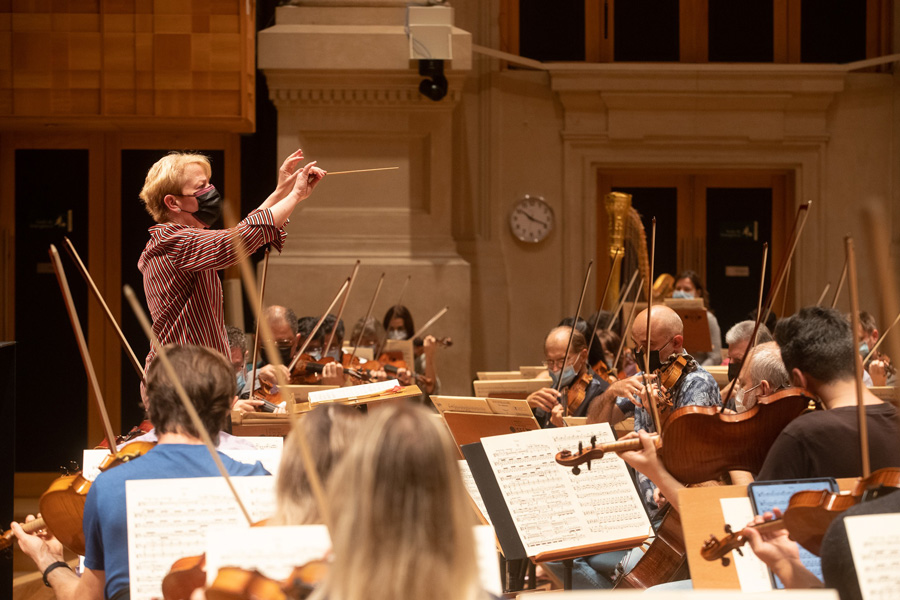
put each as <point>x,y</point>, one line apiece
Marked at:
<point>740,31</point>
<point>646,31</point>
<point>52,190</point>
<point>738,223</point>
<point>551,30</point>
<point>832,31</point>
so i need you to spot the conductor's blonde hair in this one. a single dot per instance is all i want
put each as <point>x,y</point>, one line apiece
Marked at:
<point>402,526</point>
<point>166,176</point>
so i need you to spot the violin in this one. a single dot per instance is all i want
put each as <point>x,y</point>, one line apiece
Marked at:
<point>233,583</point>
<point>136,432</point>
<point>667,376</point>
<point>62,505</point>
<point>808,515</point>
<point>308,371</point>
<point>700,443</point>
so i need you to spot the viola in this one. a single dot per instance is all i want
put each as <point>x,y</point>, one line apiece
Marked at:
<point>308,371</point>
<point>577,391</point>
<point>808,515</point>
<point>136,432</point>
<point>700,443</point>
<point>233,583</point>
<point>604,372</point>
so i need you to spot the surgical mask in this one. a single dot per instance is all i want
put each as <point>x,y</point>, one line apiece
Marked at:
<point>396,334</point>
<point>568,376</point>
<point>734,369</point>
<point>682,294</point>
<point>336,354</point>
<point>863,349</point>
<point>315,354</point>
<point>742,402</point>
<point>209,206</point>
<point>241,381</point>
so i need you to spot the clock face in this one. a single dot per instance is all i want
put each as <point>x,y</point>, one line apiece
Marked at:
<point>531,220</point>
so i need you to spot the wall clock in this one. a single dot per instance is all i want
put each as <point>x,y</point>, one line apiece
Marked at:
<point>531,219</point>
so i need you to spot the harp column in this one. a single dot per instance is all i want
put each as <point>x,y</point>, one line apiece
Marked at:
<point>340,75</point>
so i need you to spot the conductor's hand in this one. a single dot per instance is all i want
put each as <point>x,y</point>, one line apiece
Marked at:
<point>544,399</point>
<point>306,180</point>
<point>286,174</point>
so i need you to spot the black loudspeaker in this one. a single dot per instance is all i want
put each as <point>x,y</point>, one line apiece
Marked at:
<point>7,451</point>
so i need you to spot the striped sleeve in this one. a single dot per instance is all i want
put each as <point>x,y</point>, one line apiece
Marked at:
<point>194,249</point>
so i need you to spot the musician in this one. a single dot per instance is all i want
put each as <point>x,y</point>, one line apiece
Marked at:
<point>329,431</point>
<point>405,530</point>
<point>763,374</point>
<point>695,386</point>
<point>579,386</point>
<point>285,328</point>
<point>688,285</point>
<point>398,323</point>
<point>876,368</point>
<point>738,340</point>
<point>818,353</point>
<point>780,553</point>
<point>180,261</point>
<point>209,381</point>
<point>237,355</point>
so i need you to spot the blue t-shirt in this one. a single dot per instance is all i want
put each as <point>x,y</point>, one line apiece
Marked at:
<point>105,522</point>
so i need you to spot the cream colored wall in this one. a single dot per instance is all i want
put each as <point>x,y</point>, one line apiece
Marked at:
<point>517,132</point>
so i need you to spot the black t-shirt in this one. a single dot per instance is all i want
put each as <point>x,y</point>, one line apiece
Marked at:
<point>826,444</point>
<point>837,561</point>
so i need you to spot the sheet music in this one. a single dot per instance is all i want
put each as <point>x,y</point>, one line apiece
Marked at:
<point>472,488</point>
<point>466,404</point>
<point>753,574</point>
<point>354,391</point>
<point>488,565</point>
<point>273,551</point>
<point>270,459</point>
<point>264,442</point>
<point>876,554</point>
<point>552,508</point>
<point>168,518</point>
<point>506,406</point>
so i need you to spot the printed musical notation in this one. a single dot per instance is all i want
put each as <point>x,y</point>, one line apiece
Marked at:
<point>554,509</point>
<point>165,525</point>
<point>876,554</point>
<point>472,488</point>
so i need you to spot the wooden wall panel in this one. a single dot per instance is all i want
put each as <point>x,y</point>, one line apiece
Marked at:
<point>112,64</point>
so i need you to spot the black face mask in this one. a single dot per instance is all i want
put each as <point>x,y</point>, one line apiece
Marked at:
<point>209,206</point>
<point>655,362</point>
<point>734,368</point>
<point>285,352</point>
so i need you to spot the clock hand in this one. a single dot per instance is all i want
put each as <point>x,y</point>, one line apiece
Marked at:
<point>531,218</point>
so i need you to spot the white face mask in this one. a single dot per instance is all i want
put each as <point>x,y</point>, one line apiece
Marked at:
<point>743,402</point>
<point>682,294</point>
<point>397,334</point>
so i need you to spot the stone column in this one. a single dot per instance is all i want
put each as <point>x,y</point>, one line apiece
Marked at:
<point>346,91</point>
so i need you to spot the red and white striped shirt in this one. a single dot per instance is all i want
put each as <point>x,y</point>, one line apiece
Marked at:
<point>183,290</point>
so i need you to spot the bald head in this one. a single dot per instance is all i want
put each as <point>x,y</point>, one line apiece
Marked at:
<point>283,324</point>
<point>665,327</point>
<point>555,348</point>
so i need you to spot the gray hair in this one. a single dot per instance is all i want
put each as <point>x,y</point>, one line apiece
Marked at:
<point>765,364</point>
<point>741,332</point>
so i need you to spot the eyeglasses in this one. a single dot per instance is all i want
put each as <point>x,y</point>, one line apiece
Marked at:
<point>556,364</point>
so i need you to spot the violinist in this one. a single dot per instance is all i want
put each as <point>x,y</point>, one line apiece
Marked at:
<point>579,385</point>
<point>405,527</point>
<point>180,261</point>
<point>780,553</point>
<point>738,340</point>
<point>237,355</point>
<point>288,337</point>
<point>688,285</point>
<point>818,353</point>
<point>695,386</point>
<point>879,369</point>
<point>398,323</point>
<point>764,374</point>
<point>209,381</point>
